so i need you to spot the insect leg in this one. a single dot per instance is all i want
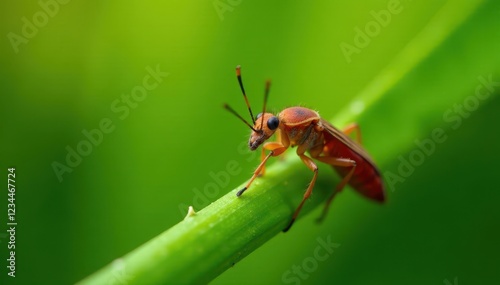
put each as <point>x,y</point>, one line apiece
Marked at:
<point>279,139</point>
<point>267,146</point>
<point>276,149</point>
<point>334,161</point>
<point>353,127</point>
<point>311,165</point>
<point>262,158</point>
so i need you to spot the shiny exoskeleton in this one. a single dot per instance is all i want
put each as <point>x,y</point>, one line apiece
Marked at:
<point>303,128</point>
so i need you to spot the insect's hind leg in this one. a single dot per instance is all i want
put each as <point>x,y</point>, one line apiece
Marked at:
<point>353,127</point>
<point>334,161</point>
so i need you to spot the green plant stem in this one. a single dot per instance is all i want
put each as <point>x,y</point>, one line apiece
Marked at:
<point>202,246</point>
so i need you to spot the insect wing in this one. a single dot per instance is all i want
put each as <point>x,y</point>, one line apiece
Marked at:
<point>346,140</point>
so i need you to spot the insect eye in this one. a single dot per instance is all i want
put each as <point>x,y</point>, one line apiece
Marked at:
<point>258,116</point>
<point>273,123</point>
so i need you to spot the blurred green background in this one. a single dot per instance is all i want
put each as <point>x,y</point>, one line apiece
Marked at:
<point>440,226</point>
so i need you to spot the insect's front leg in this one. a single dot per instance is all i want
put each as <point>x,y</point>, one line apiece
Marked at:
<point>278,139</point>
<point>276,152</point>
<point>262,157</point>
<point>275,148</point>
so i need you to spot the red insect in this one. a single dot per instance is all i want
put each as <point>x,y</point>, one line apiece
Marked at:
<point>305,129</point>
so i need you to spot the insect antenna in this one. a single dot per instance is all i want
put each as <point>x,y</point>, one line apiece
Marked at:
<point>227,107</point>
<point>238,75</point>
<point>266,94</point>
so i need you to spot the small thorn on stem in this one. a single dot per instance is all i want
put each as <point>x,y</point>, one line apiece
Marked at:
<point>241,191</point>
<point>190,212</point>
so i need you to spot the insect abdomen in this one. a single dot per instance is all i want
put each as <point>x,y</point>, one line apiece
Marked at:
<point>366,178</point>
